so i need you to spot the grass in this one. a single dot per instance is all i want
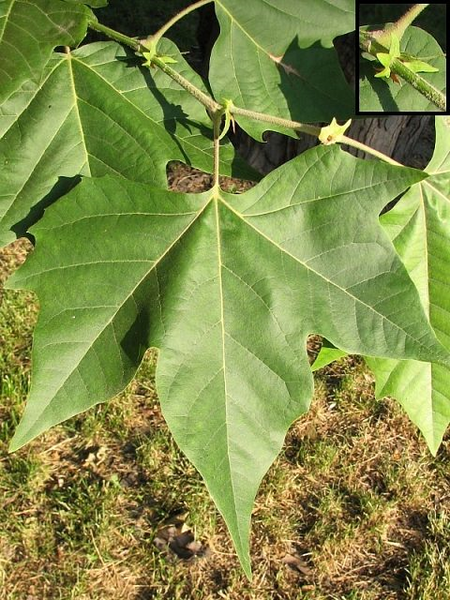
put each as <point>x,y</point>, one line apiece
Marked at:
<point>354,508</point>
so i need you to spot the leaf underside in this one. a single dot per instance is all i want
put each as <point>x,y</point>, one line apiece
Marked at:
<point>382,96</point>
<point>95,112</point>
<point>228,287</point>
<point>291,69</point>
<point>327,354</point>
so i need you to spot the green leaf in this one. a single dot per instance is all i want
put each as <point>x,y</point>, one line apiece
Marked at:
<point>394,48</point>
<point>386,73</point>
<point>384,96</point>
<point>419,66</point>
<point>332,133</point>
<point>277,57</point>
<point>368,56</point>
<point>385,59</point>
<point>96,112</point>
<point>419,226</point>
<point>328,354</point>
<point>228,287</point>
<point>150,55</point>
<point>29,31</point>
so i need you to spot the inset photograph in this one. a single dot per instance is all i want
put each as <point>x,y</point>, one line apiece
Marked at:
<point>402,58</point>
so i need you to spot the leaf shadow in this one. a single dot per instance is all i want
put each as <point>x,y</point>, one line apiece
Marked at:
<point>63,186</point>
<point>174,113</point>
<point>381,88</point>
<point>134,342</point>
<point>314,74</point>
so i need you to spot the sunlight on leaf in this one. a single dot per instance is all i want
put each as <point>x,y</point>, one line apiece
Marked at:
<point>228,289</point>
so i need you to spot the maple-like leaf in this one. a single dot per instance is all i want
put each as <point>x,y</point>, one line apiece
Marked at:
<point>95,111</point>
<point>277,57</point>
<point>419,226</point>
<point>29,31</point>
<point>228,287</point>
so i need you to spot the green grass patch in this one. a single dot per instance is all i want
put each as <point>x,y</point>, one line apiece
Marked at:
<point>354,507</point>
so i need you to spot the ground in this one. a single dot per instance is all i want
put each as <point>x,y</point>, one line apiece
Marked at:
<point>354,508</point>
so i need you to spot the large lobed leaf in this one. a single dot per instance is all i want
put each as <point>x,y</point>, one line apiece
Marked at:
<point>94,112</point>
<point>277,57</point>
<point>228,287</point>
<point>29,31</point>
<point>376,95</point>
<point>419,226</point>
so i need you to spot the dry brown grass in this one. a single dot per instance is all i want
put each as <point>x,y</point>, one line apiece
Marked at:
<point>355,504</point>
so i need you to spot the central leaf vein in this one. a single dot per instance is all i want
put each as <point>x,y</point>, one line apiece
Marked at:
<point>223,333</point>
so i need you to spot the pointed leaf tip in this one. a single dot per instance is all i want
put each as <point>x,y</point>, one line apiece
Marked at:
<point>109,288</point>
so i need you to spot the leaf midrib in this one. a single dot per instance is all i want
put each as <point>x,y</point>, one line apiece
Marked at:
<point>312,200</point>
<point>57,25</point>
<point>223,335</point>
<point>26,181</point>
<point>305,81</point>
<point>60,62</point>
<point>272,7</point>
<point>264,51</point>
<point>437,191</point>
<point>233,20</point>
<point>427,308</point>
<point>77,110</point>
<point>7,16</point>
<point>178,237</point>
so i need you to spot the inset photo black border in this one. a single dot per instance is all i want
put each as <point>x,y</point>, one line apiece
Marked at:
<point>433,20</point>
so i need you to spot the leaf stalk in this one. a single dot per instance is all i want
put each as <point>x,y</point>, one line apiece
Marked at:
<point>419,83</point>
<point>360,146</point>
<point>115,35</point>
<point>217,120</point>
<point>203,98</point>
<point>154,38</point>
<point>257,116</point>
<point>217,110</point>
<point>400,26</point>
